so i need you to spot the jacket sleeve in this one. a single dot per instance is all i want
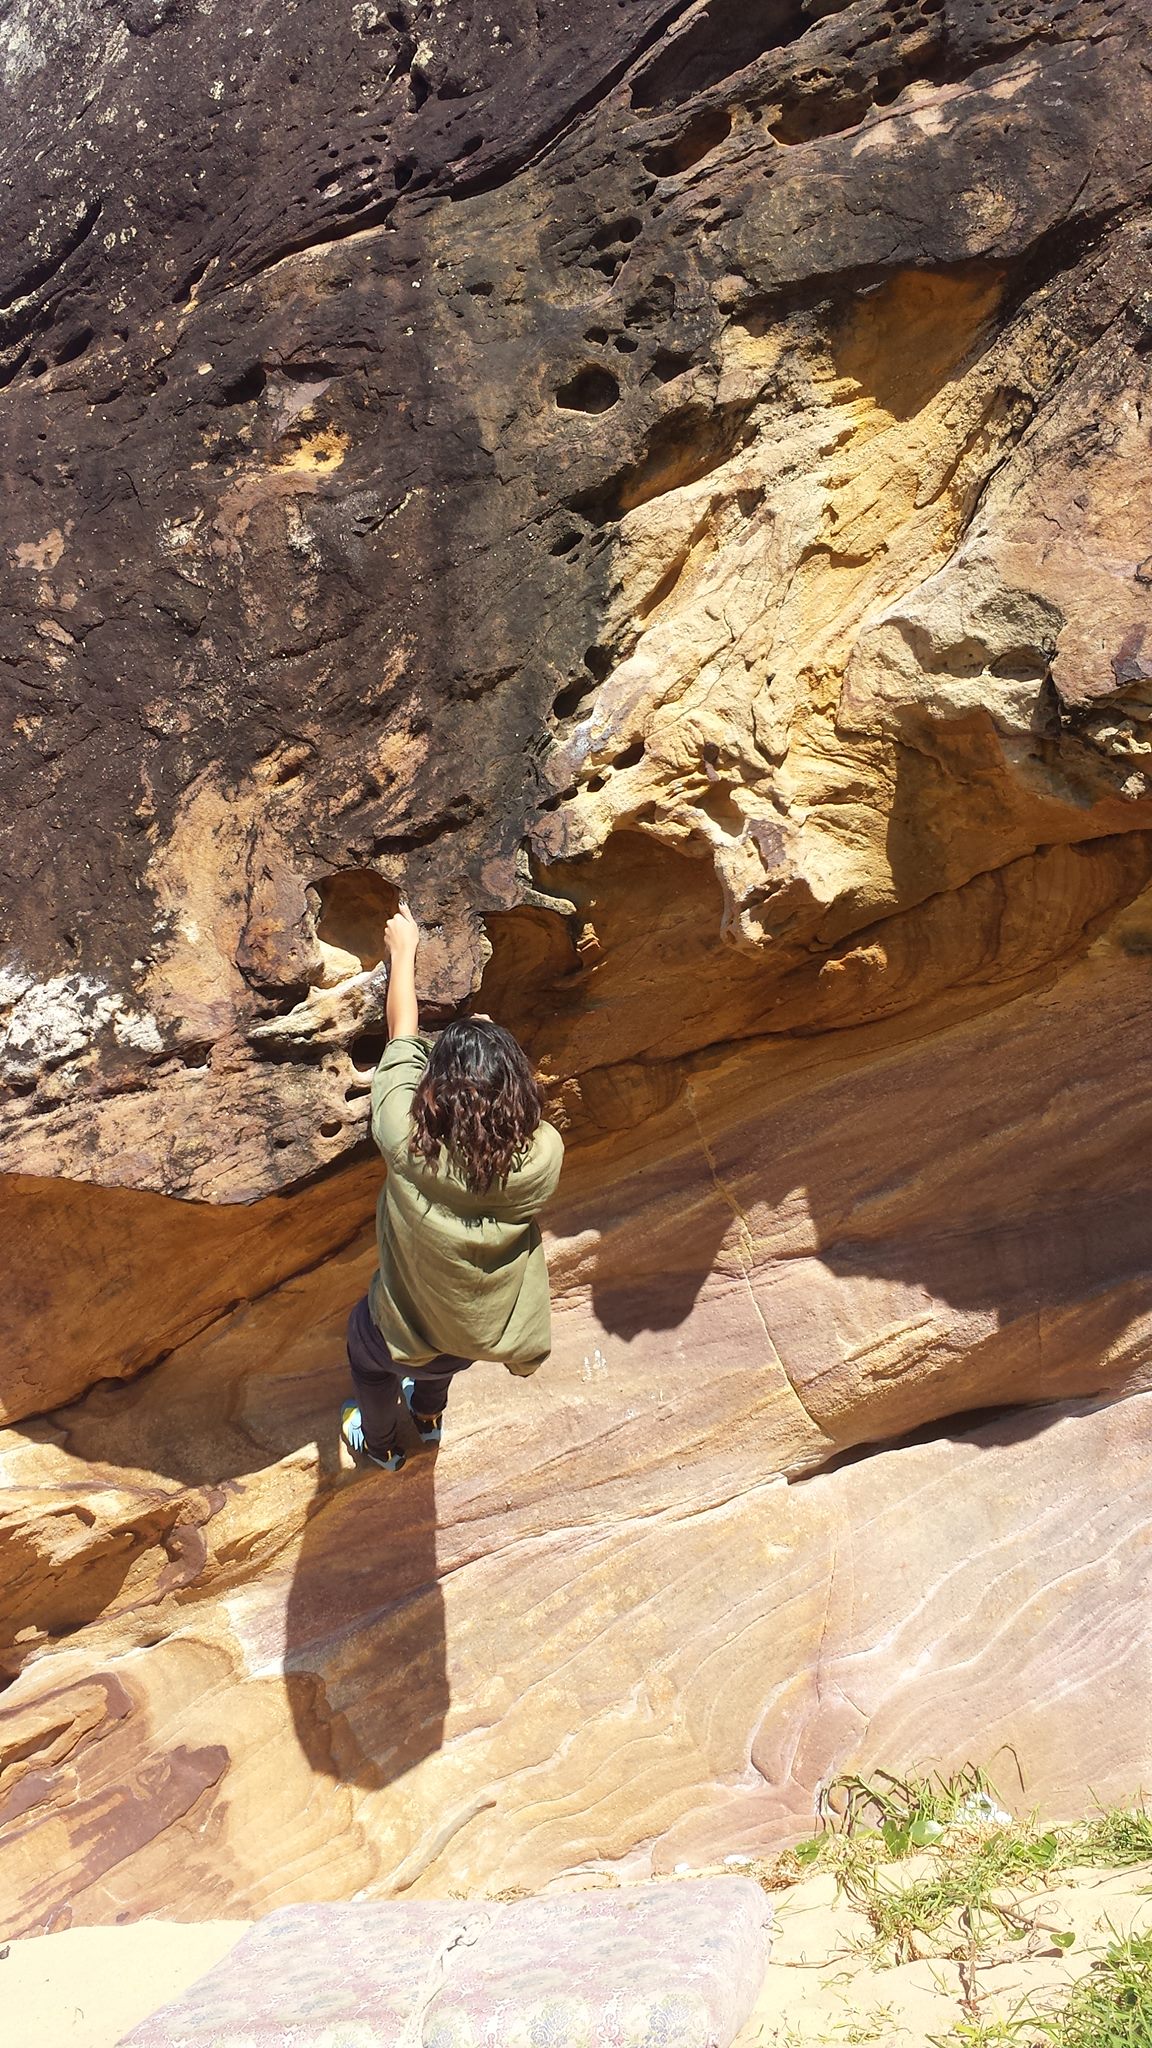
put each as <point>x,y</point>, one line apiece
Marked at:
<point>393,1085</point>
<point>532,1185</point>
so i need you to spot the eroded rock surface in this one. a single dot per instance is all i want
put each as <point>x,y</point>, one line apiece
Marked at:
<point>693,450</point>
<point>600,1627</point>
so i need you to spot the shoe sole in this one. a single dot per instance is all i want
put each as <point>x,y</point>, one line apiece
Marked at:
<point>426,1436</point>
<point>395,1462</point>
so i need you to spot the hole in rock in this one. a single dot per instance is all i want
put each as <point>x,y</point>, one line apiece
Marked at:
<point>597,334</point>
<point>331,1128</point>
<point>246,387</point>
<point>598,661</point>
<point>367,1051</point>
<point>819,113</point>
<point>626,344</point>
<point>565,544</point>
<point>668,363</point>
<point>590,390</point>
<point>615,232</point>
<point>75,345</point>
<point>717,803</point>
<point>631,757</point>
<point>687,444</point>
<point>704,133</point>
<point>887,92</point>
<point>355,905</point>
<point>483,290</point>
<point>573,698</point>
<point>189,282</point>
<point>726,37</point>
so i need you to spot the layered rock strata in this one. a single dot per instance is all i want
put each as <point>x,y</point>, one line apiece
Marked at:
<point>601,1628</point>
<point>534,1655</point>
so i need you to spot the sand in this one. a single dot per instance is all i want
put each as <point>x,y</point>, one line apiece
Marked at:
<point>88,1986</point>
<point>823,1987</point>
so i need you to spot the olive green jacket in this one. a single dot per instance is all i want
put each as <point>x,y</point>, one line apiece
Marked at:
<point>460,1272</point>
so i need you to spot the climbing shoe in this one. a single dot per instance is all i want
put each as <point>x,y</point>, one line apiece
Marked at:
<point>429,1428</point>
<point>352,1431</point>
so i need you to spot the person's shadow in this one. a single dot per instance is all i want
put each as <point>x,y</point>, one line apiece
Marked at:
<point>327,1572</point>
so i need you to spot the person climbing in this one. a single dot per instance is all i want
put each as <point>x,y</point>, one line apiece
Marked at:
<point>471,1162</point>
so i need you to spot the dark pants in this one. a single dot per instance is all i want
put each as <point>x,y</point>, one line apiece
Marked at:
<point>376,1378</point>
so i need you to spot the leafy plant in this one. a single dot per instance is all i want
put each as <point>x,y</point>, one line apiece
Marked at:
<point>1013,2032</point>
<point>908,1813</point>
<point>1112,2006</point>
<point>977,1883</point>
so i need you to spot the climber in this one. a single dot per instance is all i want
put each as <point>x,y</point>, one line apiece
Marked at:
<point>470,1165</point>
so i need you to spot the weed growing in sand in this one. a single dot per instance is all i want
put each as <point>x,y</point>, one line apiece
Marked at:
<point>871,2028</point>
<point>1116,1835</point>
<point>1112,2006</point>
<point>973,1889</point>
<point>977,1866</point>
<point>994,2033</point>
<point>938,1868</point>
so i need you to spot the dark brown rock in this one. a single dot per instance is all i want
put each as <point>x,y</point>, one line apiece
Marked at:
<point>337,352</point>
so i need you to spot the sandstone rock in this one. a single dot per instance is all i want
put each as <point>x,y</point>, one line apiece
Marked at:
<point>434,451</point>
<point>246,1678</point>
<point>98,1283</point>
<point>670,493</point>
<point>529,1657</point>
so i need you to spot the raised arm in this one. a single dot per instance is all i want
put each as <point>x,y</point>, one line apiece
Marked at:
<point>401,938</point>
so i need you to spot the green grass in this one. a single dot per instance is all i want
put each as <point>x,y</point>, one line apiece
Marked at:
<point>1118,1836</point>
<point>984,1867</point>
<point>1112,2006</point>
<point>977,1884</point>
<point>975,1891</point>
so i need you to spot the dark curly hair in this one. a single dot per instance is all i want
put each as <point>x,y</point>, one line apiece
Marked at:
<point>479,1100</point>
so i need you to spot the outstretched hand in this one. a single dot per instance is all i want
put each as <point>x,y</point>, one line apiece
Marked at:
<point>401,937</point>
<point>401,933</point>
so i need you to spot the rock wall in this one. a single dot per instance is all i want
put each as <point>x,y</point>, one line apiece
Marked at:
<point>670,491</point>
<point>682,454</point>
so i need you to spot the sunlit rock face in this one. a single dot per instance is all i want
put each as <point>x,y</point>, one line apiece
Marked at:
<point>669,490</point>
<point>638,1609</point>
<point>595,1632</point>
<point>689,453</point>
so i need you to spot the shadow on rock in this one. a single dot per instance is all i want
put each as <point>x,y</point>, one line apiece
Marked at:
<point>364,1646</point>
<point>216,1481</point>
